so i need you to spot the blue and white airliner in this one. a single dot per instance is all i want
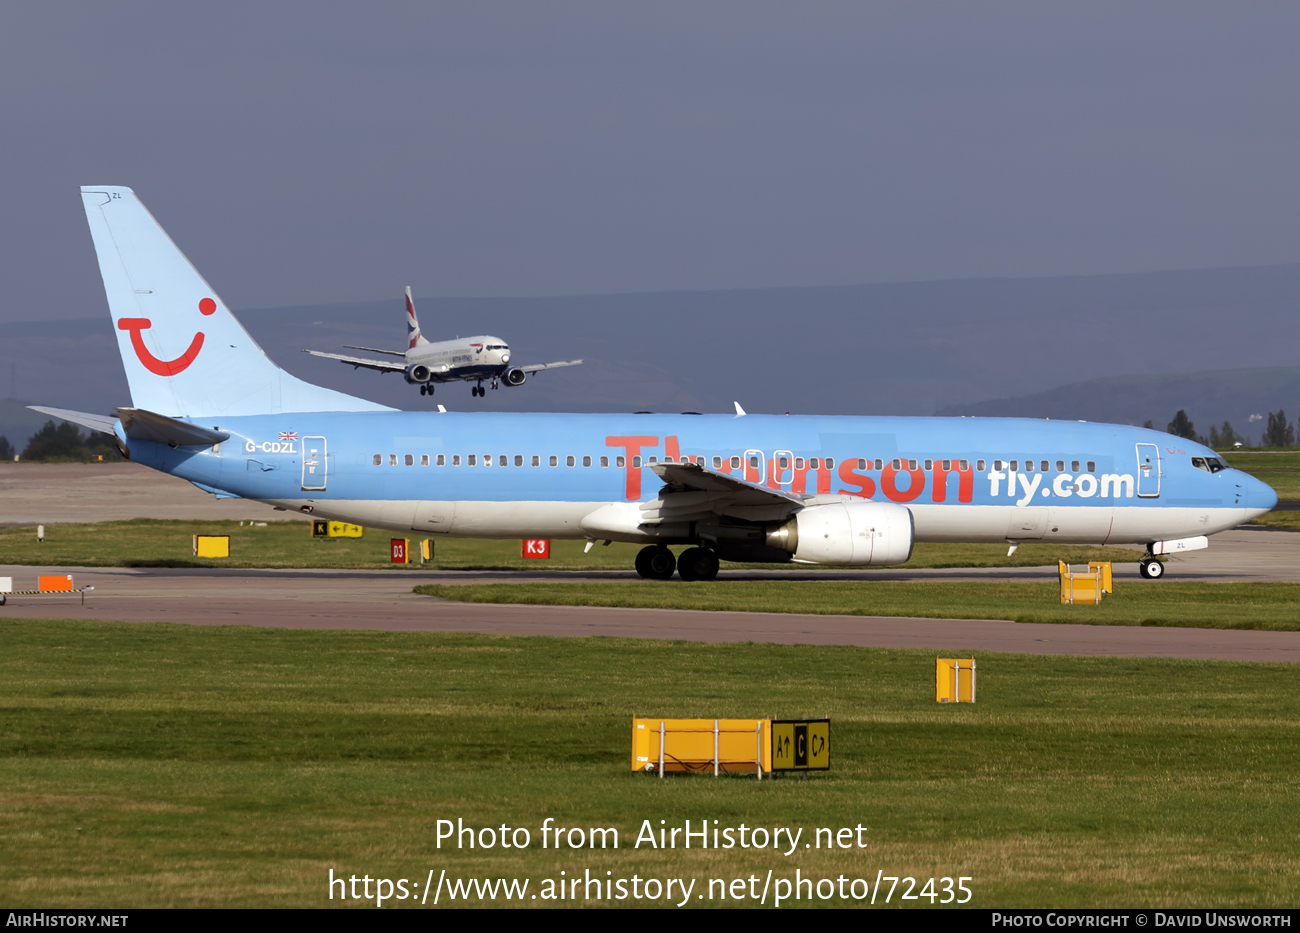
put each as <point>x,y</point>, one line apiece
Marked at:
<point>209,406</point>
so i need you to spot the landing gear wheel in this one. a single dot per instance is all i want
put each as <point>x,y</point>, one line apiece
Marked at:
<point>656,562</point>
<point>476,391</point>
<point>1151,569</point>
<point>697,563</point>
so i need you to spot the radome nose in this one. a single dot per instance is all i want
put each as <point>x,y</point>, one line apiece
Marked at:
<point>1260,494</point>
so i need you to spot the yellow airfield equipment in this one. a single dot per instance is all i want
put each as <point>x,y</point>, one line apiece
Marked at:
<point>1084,587</point>
<point>211,545</point>
<point>730,745</point>
<point>954,680</point>
<point>426,551</point>
<point>324,529</point>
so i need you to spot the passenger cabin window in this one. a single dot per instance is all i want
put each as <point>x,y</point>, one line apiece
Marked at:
<point>735,463</point>
<point>379,459</point>
<point>442,459</point>
<point>1043,465</point>
<point>929,464</point>
<point>586,461</point>
<point>519,459</point>
<point>409,460</point>
<point>897,464</point>
<point>1074,466</point>
<point>830,463</point>
<point>455,459</point>
<point>862,464</point>
<point>392,459</point>
<point>798,463</point>
<point>424,459</point>
<point>880,464</point>
<point>636,462</point>
<point>1029,466</point>
<point>997,464</point>
<point>814,464</point>
<point>783,462</point>
<point>717,463</point>
<point>537,461</point>
<point>911,464</point>
<point>979,465</point>
<point>620,461</point>
<point>569,461</point>
<point>487,460</point>
<point>1092,466</point>
<point>964,465</point>
<point>1060,466</point>
<point>668,460</point>
<point>1015,465</point>
<point>604,461</point>
<point>554,461</point>
<point>947,464</point>
<point>472,460</point>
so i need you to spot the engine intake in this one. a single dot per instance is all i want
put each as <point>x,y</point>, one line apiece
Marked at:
<point>515,377</point>
<point>418,373</point>
<point>846,533</point>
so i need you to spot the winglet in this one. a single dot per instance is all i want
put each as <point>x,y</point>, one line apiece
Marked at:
<point>739,411</point>
<point>442,409</point>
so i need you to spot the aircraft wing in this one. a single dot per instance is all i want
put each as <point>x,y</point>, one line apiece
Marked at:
<point>401,353</point>
<point>150,426</point>
<point>382,366</point>
<point>102,423</point>
<point>692,492</point>
<point>540,366</point>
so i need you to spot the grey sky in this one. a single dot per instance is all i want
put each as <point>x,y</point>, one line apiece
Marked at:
<point>317,152</point>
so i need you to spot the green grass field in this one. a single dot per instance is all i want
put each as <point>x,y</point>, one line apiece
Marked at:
<point>153,765</point>
<point>1266,606</point>
<point>288,544</point>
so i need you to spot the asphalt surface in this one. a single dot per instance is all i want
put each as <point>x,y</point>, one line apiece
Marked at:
<point>382,600</point>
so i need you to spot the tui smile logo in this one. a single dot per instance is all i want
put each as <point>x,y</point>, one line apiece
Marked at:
<point>136,326</point>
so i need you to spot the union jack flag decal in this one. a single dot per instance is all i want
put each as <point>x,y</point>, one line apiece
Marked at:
<point>288,435</point>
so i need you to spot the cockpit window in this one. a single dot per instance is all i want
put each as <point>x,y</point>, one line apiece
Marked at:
<point>1209,464</point>
<point>497,346</point>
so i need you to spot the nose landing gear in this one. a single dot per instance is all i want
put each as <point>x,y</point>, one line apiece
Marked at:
<point>1150,568</point>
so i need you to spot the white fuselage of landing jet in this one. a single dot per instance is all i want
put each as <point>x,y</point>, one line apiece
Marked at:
<point>484,357</point>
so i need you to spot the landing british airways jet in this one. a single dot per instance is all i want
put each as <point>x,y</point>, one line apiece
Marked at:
<point>466,359</point>
<point>208,405</point>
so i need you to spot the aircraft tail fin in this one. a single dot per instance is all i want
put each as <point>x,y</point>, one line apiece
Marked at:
<point>185,354</point>
<point>413,336</point>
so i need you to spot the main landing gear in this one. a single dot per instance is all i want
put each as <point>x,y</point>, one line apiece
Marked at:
<point>426,388</point>
<point>1150,568</point>
<point>656,562</point>
<point>477,390</point>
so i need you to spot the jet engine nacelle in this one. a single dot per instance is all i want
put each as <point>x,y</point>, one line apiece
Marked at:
<point>418,373</point>
<point>515,377</point>
<point>847,533</point>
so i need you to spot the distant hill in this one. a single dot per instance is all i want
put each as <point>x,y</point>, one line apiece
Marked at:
<point>1208,397</point>
<point>907,348</point>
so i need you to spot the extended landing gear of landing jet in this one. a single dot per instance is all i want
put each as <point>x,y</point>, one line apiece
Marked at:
<point>477,391</point>
<point>656,562</point>
<point>1150,568</point>
<point>426,388</point>
<point>697,563</point>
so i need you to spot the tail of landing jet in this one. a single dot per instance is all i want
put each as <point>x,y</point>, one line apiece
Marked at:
<point>413,336</point>
<point>185,354</point>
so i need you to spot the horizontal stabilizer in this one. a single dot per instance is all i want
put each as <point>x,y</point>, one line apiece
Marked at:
<point>102,423</point>
<point>144,425</point>
<point>382,366</point>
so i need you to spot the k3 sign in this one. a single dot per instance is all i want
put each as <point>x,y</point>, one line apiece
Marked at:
<point>537,548</point>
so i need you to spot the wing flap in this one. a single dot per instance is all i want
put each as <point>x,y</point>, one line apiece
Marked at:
<point>692,492</point>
